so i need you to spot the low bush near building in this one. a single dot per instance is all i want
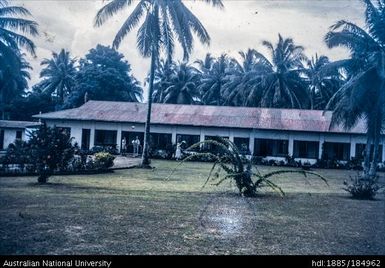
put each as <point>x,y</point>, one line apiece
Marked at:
<point>49,152</point>
<point>363,188</point>
<point>106,149</point>
<point>103,160</point>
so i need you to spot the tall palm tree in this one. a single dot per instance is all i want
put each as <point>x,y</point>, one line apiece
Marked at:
<point>165,22</point>
<point>363,95</point>
<point>323,82</point>
<point>58,74</point>
<point>213,79</point>
<point>282,82</point>
<point>12,65</point>
<point>183,87</point>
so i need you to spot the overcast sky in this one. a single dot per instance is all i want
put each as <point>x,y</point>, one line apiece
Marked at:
<point>241,25</point>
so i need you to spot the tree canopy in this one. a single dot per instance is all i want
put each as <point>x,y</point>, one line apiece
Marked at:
<point>104,75</point>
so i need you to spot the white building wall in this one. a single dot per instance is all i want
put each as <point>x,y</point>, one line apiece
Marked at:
<point>9,137</point>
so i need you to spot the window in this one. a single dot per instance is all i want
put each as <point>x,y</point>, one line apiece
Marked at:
<point>306,149</point>
<point>336,150</point>
<point>242,145</point>
<point>105,138</point>
<point>19,135</point>
<point>1,139</point>
<point>268,147</point>
<point>160,141</point>
<point>86,137</point>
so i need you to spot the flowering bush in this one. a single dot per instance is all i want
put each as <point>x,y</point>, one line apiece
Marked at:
<point>103,160</point>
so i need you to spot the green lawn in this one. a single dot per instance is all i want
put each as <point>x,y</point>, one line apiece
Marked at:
<point>137,212</point>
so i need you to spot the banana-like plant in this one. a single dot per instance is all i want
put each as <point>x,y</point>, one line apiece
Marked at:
<point>238,168</point>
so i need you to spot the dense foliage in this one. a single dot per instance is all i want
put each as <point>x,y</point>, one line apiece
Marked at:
<point>13,68</point>
<point>51,149</point>
<point>58,76</point>
<point>104,75</point>
<point>361,188</point>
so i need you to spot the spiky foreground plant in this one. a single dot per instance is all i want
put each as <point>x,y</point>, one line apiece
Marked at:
<point>238,168</point>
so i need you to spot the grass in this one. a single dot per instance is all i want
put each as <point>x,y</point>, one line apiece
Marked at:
<point>137,212</point>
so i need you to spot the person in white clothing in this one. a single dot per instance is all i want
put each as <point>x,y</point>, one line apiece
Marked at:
<point>178,152</point>
<point>124,146</point>
<point>136,144</point>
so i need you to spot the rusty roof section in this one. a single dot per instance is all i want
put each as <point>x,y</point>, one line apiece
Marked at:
<point>17,124</point>
<point>206,116</point>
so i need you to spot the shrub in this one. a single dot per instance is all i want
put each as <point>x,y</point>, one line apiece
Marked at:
<point>306,165</point>
<point>290,160</point>
<point>257,160</point>
<point>160,154</point>
<point>106,149</point>
<point>355,163</point>
<point>18,155</point>
<point>362,187</point>
<point>51,149</point>
<point>103,160</point>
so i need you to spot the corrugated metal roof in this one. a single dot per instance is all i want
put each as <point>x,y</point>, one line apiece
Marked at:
<point>208,116</point>
<point>17,124</point>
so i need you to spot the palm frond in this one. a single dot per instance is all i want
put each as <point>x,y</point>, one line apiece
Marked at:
<point>110,10</point>
<point>148,34</point>
<point>14,10</point>
<point>131,22</point>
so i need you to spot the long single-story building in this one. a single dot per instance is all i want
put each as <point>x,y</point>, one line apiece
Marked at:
<point>305,135</point>
<point>14,130</point>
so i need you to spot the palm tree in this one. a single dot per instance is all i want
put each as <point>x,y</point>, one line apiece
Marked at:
<point>58,74</point>
<point>183,87</point>
<point>14,73</point>
<point>282,82</point>
<point>10,25</point>
<point>12,28</point>
<point>162,81</point>
<point>363,95</point>
<point>243,80</point>
<point>323,82</point>
<point>164,23</point>
<point>205,64</point>
<point>213,79</point>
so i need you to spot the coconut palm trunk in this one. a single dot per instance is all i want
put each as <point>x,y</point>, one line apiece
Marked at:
<point>378,118</point>
<point>376,144</point>
<point>146,145</point>
<point>367,153</point>
<point>373,164</point>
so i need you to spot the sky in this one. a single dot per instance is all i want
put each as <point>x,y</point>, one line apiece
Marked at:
<point>240,25</point>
